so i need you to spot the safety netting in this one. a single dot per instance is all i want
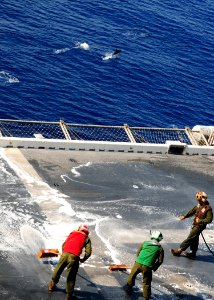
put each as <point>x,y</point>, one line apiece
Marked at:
<point>159,135</point>
<point>29,129</point>
<point>62,130</point>
<point>97,133</point>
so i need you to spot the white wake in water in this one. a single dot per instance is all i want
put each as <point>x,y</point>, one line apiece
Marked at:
<point>59,51</point>
<point>8,77</point>
<point>78,45</point>
<point>111,55</point>
<point>84,45</point>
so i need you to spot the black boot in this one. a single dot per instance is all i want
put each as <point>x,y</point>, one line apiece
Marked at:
<point>128,289</point>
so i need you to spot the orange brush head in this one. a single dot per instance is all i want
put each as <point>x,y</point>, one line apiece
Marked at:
<point>48,253</point>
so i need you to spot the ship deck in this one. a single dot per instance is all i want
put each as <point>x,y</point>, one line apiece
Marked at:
<point>46,194</point>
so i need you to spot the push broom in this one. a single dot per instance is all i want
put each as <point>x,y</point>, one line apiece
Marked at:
<point>46,253</point>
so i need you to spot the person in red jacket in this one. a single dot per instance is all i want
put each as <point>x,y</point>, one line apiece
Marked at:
<point>203,215</point>
<point>70,258</point>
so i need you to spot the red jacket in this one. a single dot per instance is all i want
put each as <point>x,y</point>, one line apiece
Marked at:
<point>75,243</point>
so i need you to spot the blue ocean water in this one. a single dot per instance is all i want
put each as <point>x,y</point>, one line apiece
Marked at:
<point>55,61</point>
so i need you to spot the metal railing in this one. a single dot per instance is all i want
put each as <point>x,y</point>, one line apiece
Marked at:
<point>67,131</point>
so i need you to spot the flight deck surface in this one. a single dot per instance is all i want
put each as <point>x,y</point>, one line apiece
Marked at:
<point>46,194</point>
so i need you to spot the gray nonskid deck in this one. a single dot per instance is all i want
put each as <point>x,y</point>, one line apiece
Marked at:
<point>121,197</point>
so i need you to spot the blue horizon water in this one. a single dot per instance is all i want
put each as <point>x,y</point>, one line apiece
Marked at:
<point>163,76</point>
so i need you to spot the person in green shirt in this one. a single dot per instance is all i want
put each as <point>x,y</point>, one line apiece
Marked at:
<point>150,256</point>
<point>203,216</point>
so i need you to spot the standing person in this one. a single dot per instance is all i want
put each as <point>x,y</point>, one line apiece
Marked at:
<point>150,256</point>
<point>203,216</point>
<point>70,258</point>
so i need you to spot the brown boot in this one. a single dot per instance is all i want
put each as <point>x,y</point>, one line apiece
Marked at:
<point>69,297</point>
<point>190,255</point>
<point>51,286</point>
<point>176,252</point>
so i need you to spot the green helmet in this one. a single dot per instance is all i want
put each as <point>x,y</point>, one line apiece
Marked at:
<point>157,235</point>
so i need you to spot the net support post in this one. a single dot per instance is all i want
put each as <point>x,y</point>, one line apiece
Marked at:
<point>64,130</point>
<point>128,132</point>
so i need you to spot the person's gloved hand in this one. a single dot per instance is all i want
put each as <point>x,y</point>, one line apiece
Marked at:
<point>156,266</point>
